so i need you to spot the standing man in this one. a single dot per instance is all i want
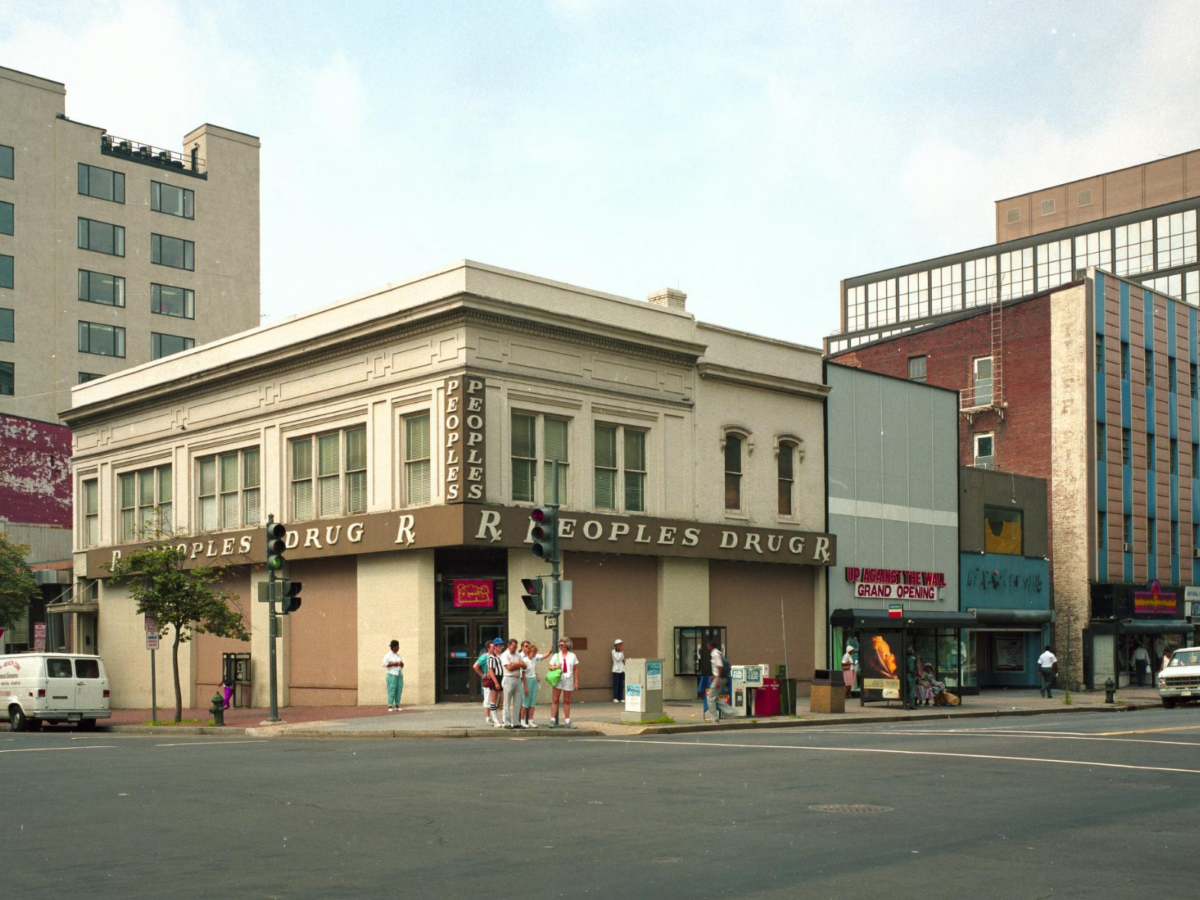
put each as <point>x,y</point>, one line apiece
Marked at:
<point>618,670</point>
<point>1141,662</point>
<point>911,668</point>
<point>718,666</point>
<point>480,668</point>
<point>513,664</point>
<point>394,666</point>
<point>1048,667</point>
<point>848,670</point>
<point>568,663</point>
<point>494,681</point>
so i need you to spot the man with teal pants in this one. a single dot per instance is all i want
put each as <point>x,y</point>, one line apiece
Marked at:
<point>395,676</point>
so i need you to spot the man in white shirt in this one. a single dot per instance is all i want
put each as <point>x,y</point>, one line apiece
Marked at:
<point>714,686</point>
<point>1048,667</point>
<point>1141,662</point>
<point>395,676</point>
<point>513,665</point>
<point>568,663</point>
<point>618,670</point>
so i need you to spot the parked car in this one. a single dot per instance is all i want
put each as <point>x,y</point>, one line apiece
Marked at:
<point>1179,682</point>
<point>52,687</point>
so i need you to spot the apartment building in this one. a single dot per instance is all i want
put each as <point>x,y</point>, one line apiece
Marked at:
<point>404,434</point>
<point>114,252</point>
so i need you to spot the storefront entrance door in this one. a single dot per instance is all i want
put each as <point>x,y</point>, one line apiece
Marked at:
<point>461,641</point>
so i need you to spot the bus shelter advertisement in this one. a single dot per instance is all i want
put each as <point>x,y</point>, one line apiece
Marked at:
<point>879,660</point>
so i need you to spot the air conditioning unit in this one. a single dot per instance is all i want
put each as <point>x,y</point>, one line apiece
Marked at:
<point>1128,548</point>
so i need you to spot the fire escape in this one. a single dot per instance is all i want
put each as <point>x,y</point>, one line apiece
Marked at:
<point>986,391</point>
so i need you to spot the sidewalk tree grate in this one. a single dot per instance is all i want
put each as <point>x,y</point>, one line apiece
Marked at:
<point>851,808</point>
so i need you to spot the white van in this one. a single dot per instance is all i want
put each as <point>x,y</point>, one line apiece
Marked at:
<point>52,687</point>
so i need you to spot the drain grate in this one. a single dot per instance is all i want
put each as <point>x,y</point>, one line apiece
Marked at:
<point>852,808</point>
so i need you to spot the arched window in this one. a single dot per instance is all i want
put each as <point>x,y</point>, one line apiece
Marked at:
<point>786,466</point>
<point>735,442</point>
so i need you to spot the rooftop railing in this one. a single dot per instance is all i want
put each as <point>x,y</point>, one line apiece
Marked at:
<point>136,151</point>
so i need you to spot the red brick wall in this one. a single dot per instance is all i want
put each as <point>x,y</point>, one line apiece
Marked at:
<point>35,472</point>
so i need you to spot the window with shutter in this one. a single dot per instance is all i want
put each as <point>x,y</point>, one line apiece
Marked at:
<point>145,503</point>
<point>635,470</point>
<point>606,467</point>
<point>91,512</point>
<point>524,456</point>
<point>207,518</point>
<point>555,444</point>
<point>356,470</point>
<point>302,493</point>
<point>329,500</point>
<point>251,487</point>
<point>417,483</point>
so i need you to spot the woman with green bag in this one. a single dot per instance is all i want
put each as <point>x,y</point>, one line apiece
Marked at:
<point>562,677</point>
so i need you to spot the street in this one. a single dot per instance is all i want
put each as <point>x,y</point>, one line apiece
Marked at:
<point>1096,805</point>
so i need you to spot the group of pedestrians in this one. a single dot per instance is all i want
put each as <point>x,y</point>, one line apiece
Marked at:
<point>510,681</point>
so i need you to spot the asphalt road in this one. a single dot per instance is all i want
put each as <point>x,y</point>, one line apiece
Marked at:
<point>1088,805</point>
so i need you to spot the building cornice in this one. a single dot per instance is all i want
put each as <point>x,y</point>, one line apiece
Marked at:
<point>742,378</point>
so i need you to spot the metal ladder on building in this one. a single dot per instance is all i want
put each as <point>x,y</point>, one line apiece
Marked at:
<point>977,398</point>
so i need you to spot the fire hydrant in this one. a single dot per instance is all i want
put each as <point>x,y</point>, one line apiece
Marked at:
<point>1109,690</point>
<point>218,709</point>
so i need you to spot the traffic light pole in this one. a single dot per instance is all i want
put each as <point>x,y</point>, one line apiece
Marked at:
<point>274,624</point>
<point>555,574</point>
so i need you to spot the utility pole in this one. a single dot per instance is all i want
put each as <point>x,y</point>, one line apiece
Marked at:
<point>276,533</point>
<point>555,573</point>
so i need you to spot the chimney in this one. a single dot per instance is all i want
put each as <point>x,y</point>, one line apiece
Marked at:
<point>668,297</point>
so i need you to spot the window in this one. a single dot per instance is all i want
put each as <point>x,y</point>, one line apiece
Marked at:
<point>1016,273</point>
<point>555,445</point>
<point>6,271</point>
<point>946,289</point>
<point>1177,239</point>
<point>1127,533</point>
<point>733,472</point>
<point>916,368</point>
<point>85,377</point>
<point>91,513</point>
<point>103,184</point>
<point>1134,248</point>
<point>96,287</point>
<point>1150,373</point>
<point>856,308</point>
<point>7,379</point>
<point>1196,464</point>
<point>1171,285</point>
<point>1150,453</point>
<point>229,490</point>
<point>102,340</point>
<point>1053,264</point>
<point>881,303</point>
<point>914,296</point>
<point>101,237</point>
<point>142,494</point>
<point>1100,442</point>
<point>1094,250</point>
<point>172,200</point>
<point>787,476</point>
<point>172,301</point>
<point>620,470</point>
<point>174,252</point>
<point>981,380</point>
<point>1195,384</point>
<point>166,344</point>
<point>6,217</point>
<point>6,325</point>
<point>1171,382</point>
<point>1152,536</point>
<point>1126,450</point>
<point>1191,292</point>
<point>985,451</point>
<point>1124,361</point>
<point>58,668</point>
<point>87,668</point>
<point>418,486</point>
<point>1003,530</point>
<point>1102,530</point>
<point>1099,353</point>
<point>6,161</point>
<point>1174,538</point>
<point>1174,456</point>
<point>980,281</point>
<point>321,484</point>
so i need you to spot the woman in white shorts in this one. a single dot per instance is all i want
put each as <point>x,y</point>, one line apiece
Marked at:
<point>568,663</point>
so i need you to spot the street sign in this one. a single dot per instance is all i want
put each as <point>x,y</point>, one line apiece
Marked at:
<point>895,611</point>
<point>39,636</point>
<point>151,640</point>
<point>151,623</point>
<point>551,621</point>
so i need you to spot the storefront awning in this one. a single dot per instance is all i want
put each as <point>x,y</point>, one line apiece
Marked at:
<point>1152,626</point>
<point>879,618</point>
<point>1013,617</point>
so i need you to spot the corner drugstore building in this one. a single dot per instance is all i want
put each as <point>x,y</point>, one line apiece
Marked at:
<point>404,433</point>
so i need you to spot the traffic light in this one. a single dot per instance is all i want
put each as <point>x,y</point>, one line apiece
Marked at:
<point>532,598</point>
<point>289,597</point>
<point>544,533</point>
<point>276,532</point>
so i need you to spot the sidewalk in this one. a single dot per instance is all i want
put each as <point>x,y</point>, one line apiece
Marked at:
<point>457,720</point>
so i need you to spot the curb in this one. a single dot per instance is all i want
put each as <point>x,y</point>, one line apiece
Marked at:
<point>171,729</point>
<point>274,731</point>
<point>872,720</point>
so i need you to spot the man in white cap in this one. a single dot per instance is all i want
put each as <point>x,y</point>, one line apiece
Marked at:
<point>618,670</point>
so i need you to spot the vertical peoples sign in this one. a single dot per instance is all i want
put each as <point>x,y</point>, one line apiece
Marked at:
<point>464,418</point>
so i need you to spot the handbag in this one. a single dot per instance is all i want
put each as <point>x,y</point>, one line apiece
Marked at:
<point>554,676</point>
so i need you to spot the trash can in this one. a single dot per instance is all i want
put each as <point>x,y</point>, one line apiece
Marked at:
<point>766,698</point>
<point>828,692</point>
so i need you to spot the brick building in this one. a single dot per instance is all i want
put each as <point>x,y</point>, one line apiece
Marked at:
<point>1093,386</point>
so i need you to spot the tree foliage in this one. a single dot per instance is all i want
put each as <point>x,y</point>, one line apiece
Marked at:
<point>185,601</point>
<point>17,584</point>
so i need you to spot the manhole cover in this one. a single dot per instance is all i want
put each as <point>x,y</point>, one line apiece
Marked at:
<point>852,808</point>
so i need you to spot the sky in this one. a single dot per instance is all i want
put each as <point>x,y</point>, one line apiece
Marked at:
<point>750,154</point>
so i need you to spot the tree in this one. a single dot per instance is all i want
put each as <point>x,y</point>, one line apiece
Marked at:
<point>17,584</point>
<point>187,600</point>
